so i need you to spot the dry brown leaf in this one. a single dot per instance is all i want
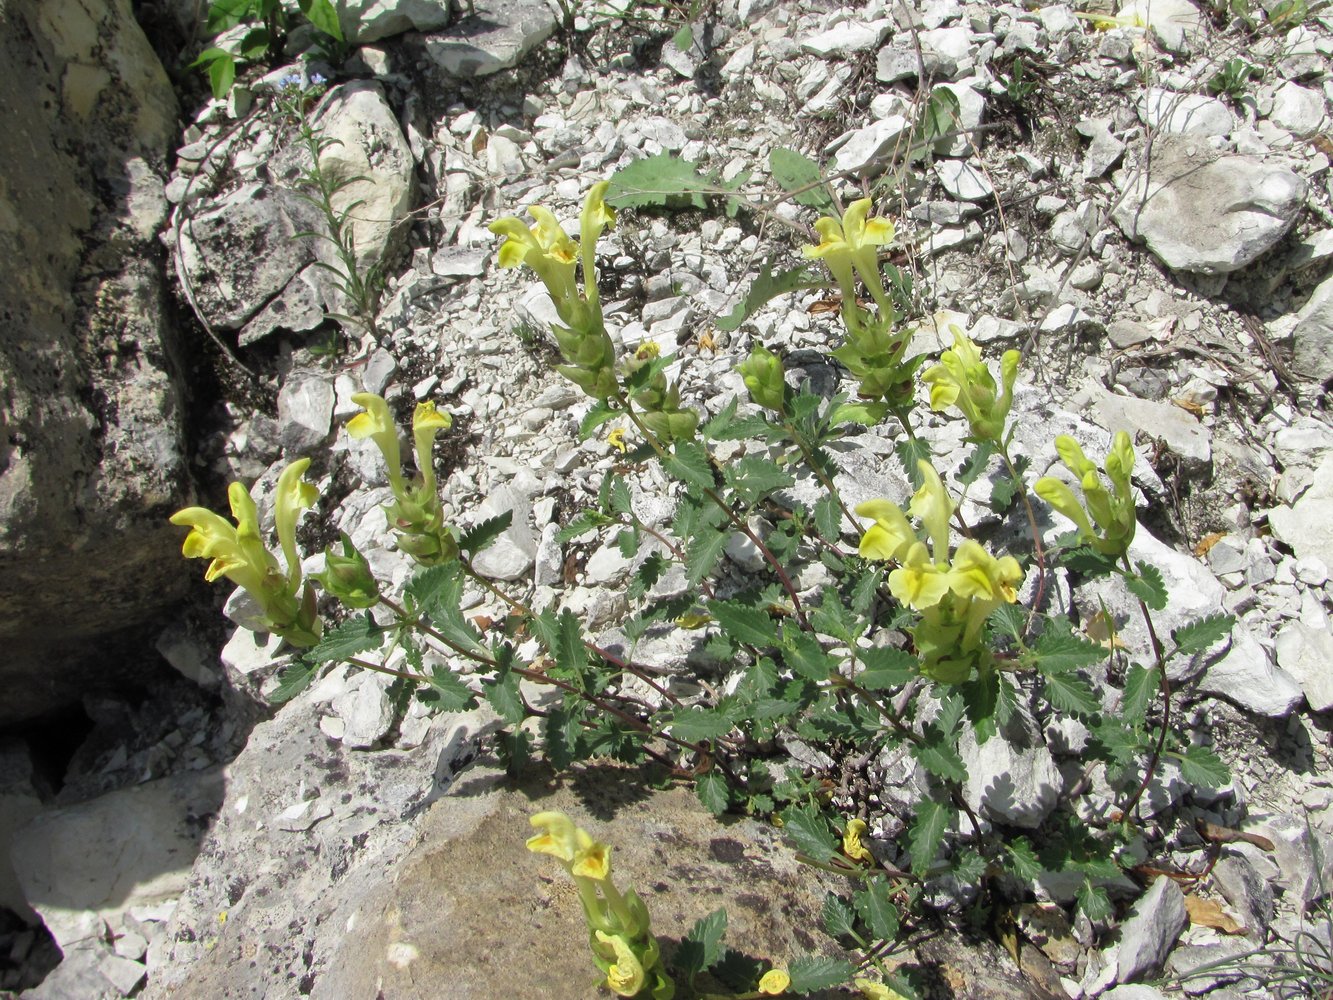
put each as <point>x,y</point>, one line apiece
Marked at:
<point>1101,630</point>
<point>1209,913</point>
<point>1207,542</point>
<point>1191,407</point>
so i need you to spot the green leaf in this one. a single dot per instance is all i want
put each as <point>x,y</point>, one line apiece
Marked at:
<point>683,38</point>
<point>661,181</point>
<point>703,552</point>
<point>619,497</point>
<point>448,690</point>
<point>712,790</point>
<point>1198,636</point>
<point>976,463</point>
<point>323,16</point>
<point>222,74</point>
<point>863,414</point>
<point>1087,561</point>
<point>1069,692</point>
<point>695,724</point>
<point>356,635</point>
<point>805,656</point>
<point>254,44</point>
<point>690,465</point>
<point>876,908</point>
<point>1141,686</point>
<point>744,624</point>
<point>598,415</point>
<point>1058,652</point>
<point>766,287</point>
<point>515,747</point>
<point>584,522</point>
<point>1011,619</point>
<point>481,535</point>
<point>654,565</point>
<point>941,759</point>
<point>1023,860</point>
<point>814,972</point>
<point>1093,901</point>
<point>932,820</point>
<point>828,518</point>
<point>503,694</point>
<point>561,734</point>
<point>437,592</point>
<point>1148,586</point>
<point>754,478</point>
<point>702,946</point>
<point>293,680</point>
<point>886,668</point>
<point>805,827</point>
<point>839,917</point>
<point>909,452</point>
<point>727,426</point>
<point>571,656</point>
<point>794,172</point>
<point>1200,766</point>
<point>941,116</point>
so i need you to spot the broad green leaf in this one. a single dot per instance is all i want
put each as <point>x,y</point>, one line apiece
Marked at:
<point>909,452</point>
<point>661,181</point>
<point>766,287</point>
<point>561,732</point>
<point>504,697</point>
<point>627,541</point>
<point>839,917</point>
<point>1088,562</point>
<point>1011,619</point>
<point>942,759</point>
<point>754,478</point>
<point>711,788</point>
<point>1148,586</point>
<point>703,552</point>
<point>619,497</point>
<point>1094,902</point>
<point>221,74</point>
<point>571,656</point>
<point>727,426</point>
<point>1141,686</point>
<point>812,972</point>
<point>583,522</point>
<point>356,635</point>
<point>293,680</point>
<point>876,908</point>
<point>480,536</point>
<point>449,691</point>
<point>1198,636</point>
<point>598,415</point>
<point>744,624</point>
<point>942,115</point>
<point>1069,692</point>
<point>1022,859</point>
<point>863,414</point>
<point>794,172</point>
<point>695,724</point>
<point>1059,652</point>
<point>886,668</point>
<point>828,518</point>
<point>932,820</point>
<point>866,590</point>
<point>690,465</point>
<point>805,655</point>
<point>1200,766</point>
<point>976,463</point>
<point>703,944</point>
<point>323,16</point>
<point>683,38</point>
<point>809,831</point>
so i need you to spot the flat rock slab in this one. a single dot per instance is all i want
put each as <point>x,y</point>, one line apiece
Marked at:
<point>496,36</point>
<point>1207,213</point>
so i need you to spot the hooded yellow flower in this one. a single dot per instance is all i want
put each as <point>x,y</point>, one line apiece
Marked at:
<point>377,424</point>
<point>625,976</point>
<point>890,536</point>
<point>918,582</point>
<point>852,245</point>
<point>545,248</point>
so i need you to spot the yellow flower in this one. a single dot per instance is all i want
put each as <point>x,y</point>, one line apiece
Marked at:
<point>616,439</point>
<point>377,424</point>
<point>872,990</point>
<point>851,245</point>
<point>293,496</point>
<point>851,841</point>
<point>625,976</point>
<point>962,379</point>
<point>976,573</point>
<point>774,982</point>
<point>211,537</point>
<point>890,536</point>
<point>545,248</point>
<point>597,216</point>
<point>931,503</point>
<point>427,421</point>
<point>561,839</point>
<point>918,582</point>
<point>592,861</point>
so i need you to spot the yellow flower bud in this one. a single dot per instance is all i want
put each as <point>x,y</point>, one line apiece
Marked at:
<point>774,982</point>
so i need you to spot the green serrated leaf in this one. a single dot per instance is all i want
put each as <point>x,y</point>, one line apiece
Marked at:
<point>712,790</point>
<point>813,972</point>
<point>293,680</point>
<point>828,518</point>
<point>886,668</point>
<point>1148,586</point>
<point>1011,619</point>
<point>928,829</point>
<point>619,497</point>
<point>1093,901</point>
<point>571,656</point>
<point>1022,859</point>
<point>504,697</point>
<point>560,737</point>
<point>703,552</point>
<point>805,656</point>
<point>627,541</point>
<point>598,415</point>
<point>941,759</point>
<point>876,908</point>
<point>695,724</point>
<point>754,478</point>
<point>838,916</point>
<point>356,635</point>
<point>450,693</point>
<point>1059,652</point>
<point>480,536</point>
<point>766,287</point>
<point>1141,686</point>
<point>654,565</point>
<point>702,946</point>
<point>1200,766</point>
<point>909,452</point>
<point>1198,636</point>
<point>801,177</point>
<point>727,426</point>
<point>976,463</point>
<point>1087,561</point>
<point>1069,692</point>
<point>809,831</point>
<point>583,522</point>
<point>744,624</point>
<point>690,465</point>
<point>661,181</point>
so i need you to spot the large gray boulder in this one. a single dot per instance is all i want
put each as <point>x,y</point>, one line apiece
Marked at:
<point>91,460</point>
